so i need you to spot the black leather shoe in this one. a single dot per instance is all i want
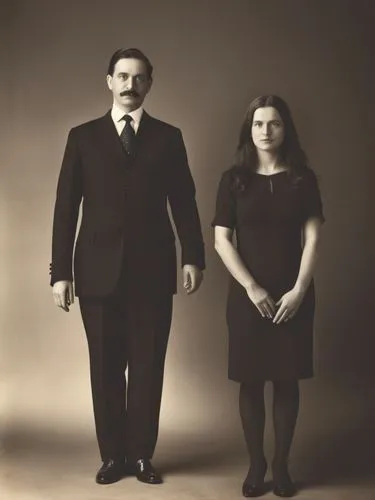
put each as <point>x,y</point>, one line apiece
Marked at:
<point>144,472</point>
<point>253,485</point>
<point>110,472</point>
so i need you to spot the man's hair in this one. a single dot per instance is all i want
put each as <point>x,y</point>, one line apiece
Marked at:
<point>131,53</point>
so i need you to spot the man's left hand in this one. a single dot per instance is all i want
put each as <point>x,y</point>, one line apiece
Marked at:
<point>192,277</point>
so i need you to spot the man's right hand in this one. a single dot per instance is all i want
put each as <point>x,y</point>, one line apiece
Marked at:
<point>63,294</point>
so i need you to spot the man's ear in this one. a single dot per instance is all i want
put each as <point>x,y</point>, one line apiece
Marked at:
<point>109,81</point>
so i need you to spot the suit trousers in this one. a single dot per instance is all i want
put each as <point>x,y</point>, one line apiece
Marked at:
<point>127,331</point>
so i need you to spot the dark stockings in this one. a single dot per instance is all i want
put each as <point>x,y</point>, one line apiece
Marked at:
<point>285,411</point>
<point>253,416</point>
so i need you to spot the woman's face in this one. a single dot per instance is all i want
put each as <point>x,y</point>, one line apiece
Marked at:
<point>267,130</point>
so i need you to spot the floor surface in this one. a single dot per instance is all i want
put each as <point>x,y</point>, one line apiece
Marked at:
<point>194,468</point>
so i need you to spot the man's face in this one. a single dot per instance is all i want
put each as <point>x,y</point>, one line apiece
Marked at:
<point>129,83</point>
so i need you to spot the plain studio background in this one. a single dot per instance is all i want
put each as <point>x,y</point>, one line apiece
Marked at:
<point>210,58</point>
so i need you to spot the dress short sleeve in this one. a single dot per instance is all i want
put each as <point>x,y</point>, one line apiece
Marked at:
<point>225,204</point>
<point>312,201</point>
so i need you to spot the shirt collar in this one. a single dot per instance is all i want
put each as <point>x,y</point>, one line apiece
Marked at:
<point>118,114</point>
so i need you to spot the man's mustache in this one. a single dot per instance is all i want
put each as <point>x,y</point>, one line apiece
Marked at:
<point>130,93</point>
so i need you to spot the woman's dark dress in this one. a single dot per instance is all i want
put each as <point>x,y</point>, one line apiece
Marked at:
<point>268,218</point>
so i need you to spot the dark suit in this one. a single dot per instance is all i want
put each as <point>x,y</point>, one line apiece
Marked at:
<point>125,266</point>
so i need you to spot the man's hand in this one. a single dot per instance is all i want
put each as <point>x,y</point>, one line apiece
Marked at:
<point>192,277</point>
<point>63,294</point>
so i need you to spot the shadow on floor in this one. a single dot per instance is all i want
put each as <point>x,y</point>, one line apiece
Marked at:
<point>345,454</point>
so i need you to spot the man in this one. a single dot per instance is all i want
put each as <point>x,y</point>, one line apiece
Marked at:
<point>124,167</point>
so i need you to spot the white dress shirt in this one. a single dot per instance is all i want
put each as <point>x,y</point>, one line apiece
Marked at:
<point>117,115</point>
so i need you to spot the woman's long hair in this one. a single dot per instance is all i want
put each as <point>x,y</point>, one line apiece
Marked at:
<point>290,153</point>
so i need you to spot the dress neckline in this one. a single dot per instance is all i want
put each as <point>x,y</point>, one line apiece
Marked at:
<point>271,175</point>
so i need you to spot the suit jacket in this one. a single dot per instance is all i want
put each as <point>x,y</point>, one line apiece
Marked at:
<point>125,219</point>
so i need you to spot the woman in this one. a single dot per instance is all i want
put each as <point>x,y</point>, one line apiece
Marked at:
<point>270,198</point>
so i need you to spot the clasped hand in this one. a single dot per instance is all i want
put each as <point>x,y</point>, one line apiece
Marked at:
<point>282,310</point>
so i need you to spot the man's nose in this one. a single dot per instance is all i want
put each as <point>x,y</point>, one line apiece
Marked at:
<point>130,83</point>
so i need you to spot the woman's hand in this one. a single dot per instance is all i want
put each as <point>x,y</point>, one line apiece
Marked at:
<point>288,305</point>
<point>262,300</point>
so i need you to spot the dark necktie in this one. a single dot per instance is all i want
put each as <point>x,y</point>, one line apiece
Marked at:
<point>127,136</point>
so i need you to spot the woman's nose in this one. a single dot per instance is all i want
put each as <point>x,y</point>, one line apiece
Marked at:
<point>266,129</point>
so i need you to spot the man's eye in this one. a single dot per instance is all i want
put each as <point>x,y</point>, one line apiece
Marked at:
<point>141,78</point>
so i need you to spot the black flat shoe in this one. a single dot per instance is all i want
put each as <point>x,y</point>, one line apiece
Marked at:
<point>144,472</point>
<point>283,484</point>
<point>253,490</point>
<point>253,485</point>
<point>285,490</point>
<point>110,472</point>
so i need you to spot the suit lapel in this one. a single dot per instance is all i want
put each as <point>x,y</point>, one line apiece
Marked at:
<point>144,133</point>
<point>146,140</point>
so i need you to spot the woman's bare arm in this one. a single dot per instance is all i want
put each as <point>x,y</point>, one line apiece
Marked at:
<point>233,262</point>
<point>290,302</point>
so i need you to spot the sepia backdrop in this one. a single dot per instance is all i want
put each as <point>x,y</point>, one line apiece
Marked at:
<point>211,58</point>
